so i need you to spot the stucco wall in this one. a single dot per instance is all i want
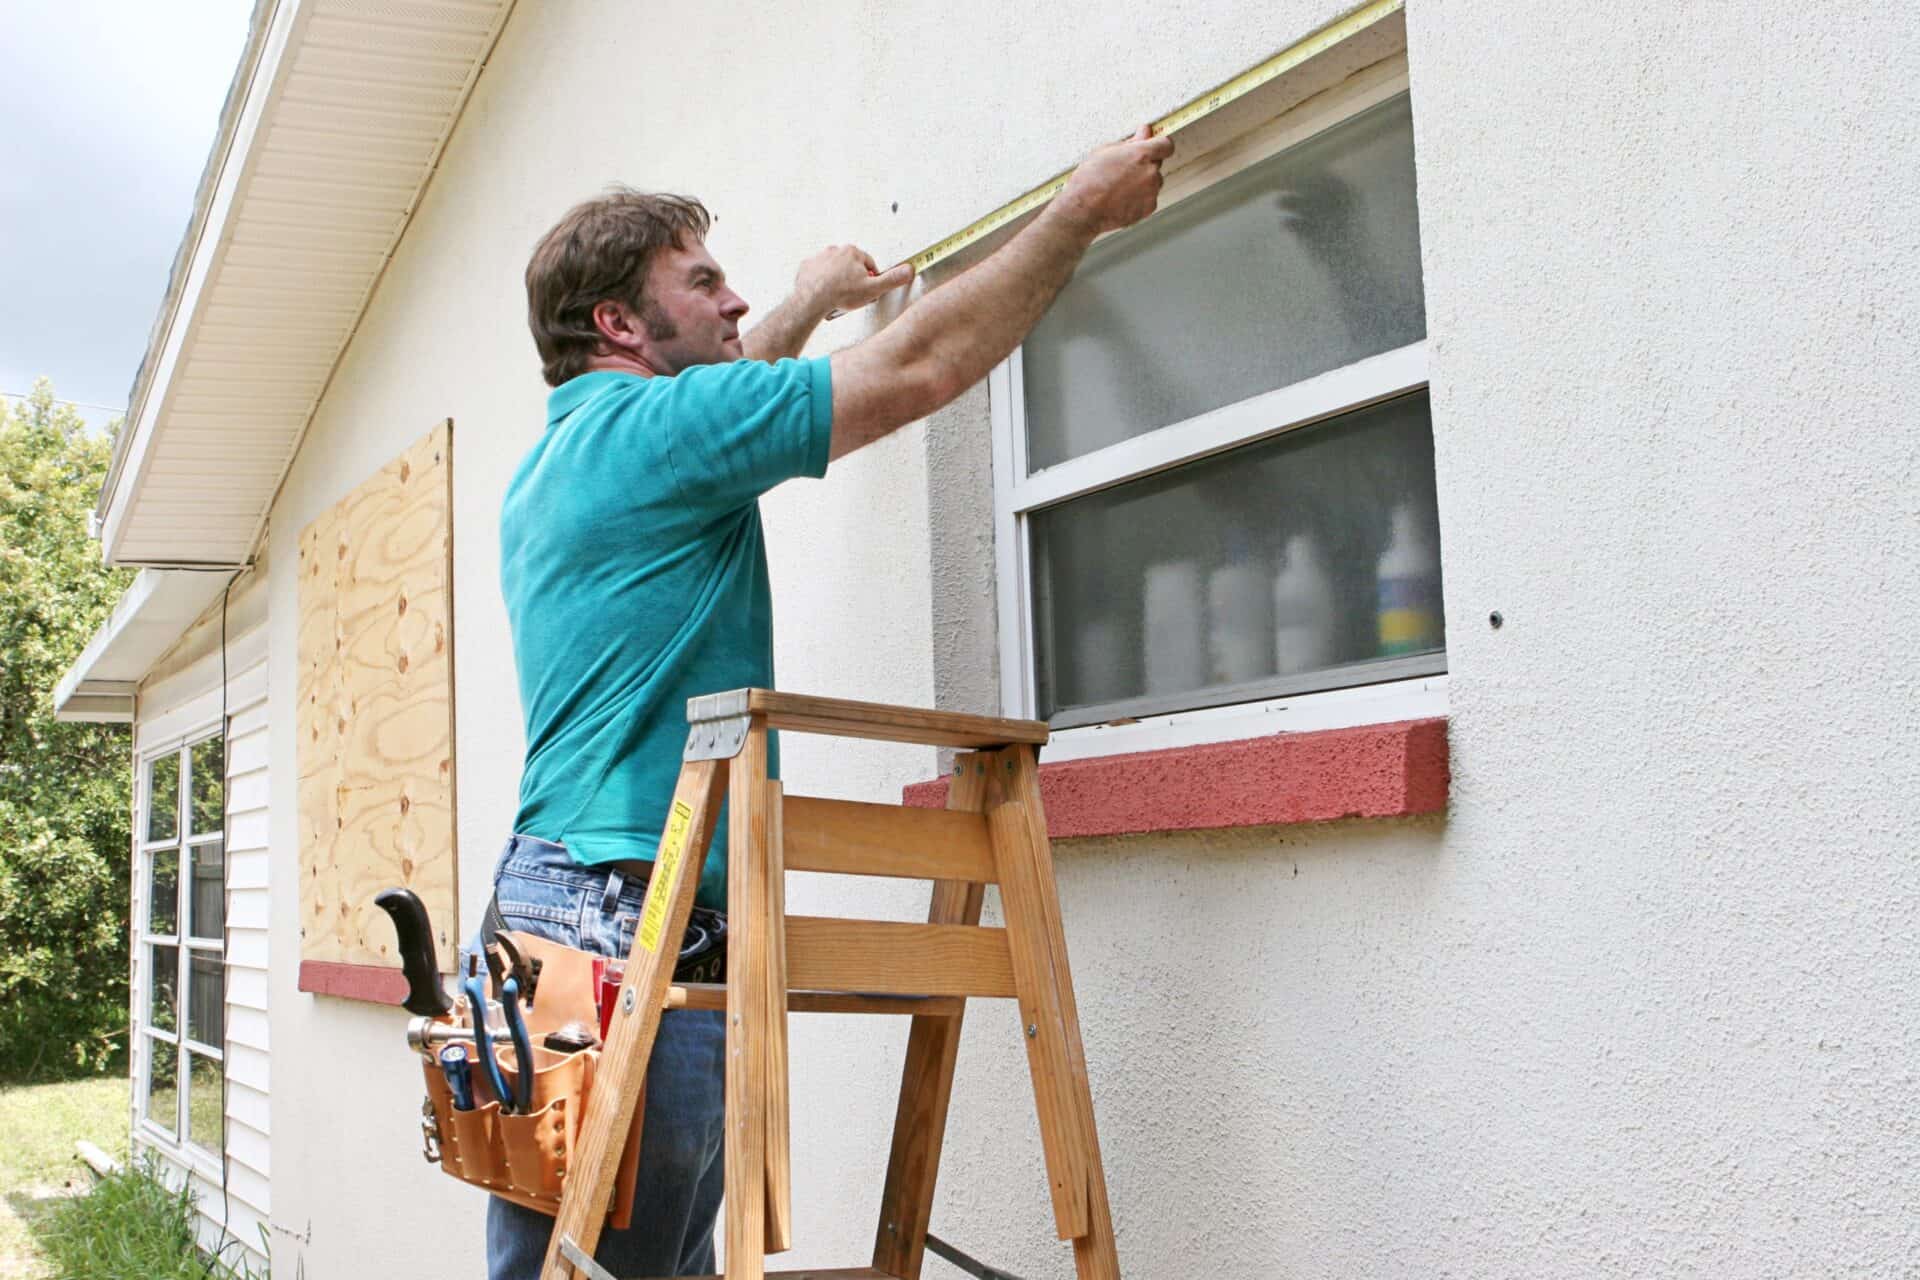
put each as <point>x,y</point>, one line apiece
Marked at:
<point>1645,1002</point>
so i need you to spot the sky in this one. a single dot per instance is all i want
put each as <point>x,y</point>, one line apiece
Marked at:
<point>107,110</point>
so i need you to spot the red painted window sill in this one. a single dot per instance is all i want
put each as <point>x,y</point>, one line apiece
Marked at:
<point>1370,771</point>
<point>375,983</point>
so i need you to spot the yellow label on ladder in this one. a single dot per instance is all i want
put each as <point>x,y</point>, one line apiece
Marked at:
<point>666,873</point>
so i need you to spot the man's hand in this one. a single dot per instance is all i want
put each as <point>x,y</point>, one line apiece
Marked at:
<point>838,279</point>
<point>1118,184</point>
<point>845,278</point>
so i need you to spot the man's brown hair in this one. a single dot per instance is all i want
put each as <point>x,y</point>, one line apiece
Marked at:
<point>601,250</point>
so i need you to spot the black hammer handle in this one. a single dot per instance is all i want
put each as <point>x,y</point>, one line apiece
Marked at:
<point>425,995</point>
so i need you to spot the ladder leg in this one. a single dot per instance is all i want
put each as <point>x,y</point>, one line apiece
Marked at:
<point>1057,1058</point>
<point>636,1019</point>
<point>926,1081</point>
<point>749,925</point>
<point>779,1146</point>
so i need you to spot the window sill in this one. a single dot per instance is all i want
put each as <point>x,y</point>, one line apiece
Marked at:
<point>376,984</point>
<point>1369,771</point>
<point>184,1155</point>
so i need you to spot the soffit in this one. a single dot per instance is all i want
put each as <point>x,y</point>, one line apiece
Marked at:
<point>146,621</point>
<point>338,130</point>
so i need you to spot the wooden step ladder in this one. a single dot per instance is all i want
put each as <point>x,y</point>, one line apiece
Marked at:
<point>993,831</point>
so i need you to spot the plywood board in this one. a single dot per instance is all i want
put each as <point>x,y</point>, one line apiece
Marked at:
<point>375,717</point>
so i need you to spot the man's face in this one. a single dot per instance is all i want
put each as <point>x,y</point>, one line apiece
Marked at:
<point>691,316</point>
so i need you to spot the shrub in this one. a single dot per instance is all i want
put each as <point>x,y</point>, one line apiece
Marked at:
<point>64,788</point>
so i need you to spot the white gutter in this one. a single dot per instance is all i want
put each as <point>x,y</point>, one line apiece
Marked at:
<point>148,620</point>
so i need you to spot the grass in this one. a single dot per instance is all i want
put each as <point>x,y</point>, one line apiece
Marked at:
<point>129,1227</point>
<point>38,1127</point>
<point>57,1222</point>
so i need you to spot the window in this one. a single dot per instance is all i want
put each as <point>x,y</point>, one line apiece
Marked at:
<point>182,948</point>
<point>1214,456</point>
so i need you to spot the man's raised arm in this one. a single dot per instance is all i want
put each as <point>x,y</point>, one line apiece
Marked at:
<point>951,338</point>
<point>839,278</point>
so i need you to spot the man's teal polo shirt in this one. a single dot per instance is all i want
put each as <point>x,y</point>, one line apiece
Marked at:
<point>635,578</point>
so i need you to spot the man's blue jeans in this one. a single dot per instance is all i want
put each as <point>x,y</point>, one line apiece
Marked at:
<point>677,1193</point>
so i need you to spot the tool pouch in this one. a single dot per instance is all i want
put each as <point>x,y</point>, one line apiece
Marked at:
<point>524,1158</point>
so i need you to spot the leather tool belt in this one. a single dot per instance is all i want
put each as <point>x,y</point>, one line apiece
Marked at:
<point>522,1153</point>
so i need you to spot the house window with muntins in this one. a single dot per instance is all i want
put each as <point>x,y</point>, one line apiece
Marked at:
<point>181,945</point>
<point>1214,458</point>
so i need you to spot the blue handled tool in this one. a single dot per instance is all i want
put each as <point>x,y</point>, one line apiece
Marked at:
<point>476,990</point>
<point>459,1073</point>
<point>522,1044</point>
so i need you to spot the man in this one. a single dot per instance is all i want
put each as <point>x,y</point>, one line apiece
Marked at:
<point>635,577</point>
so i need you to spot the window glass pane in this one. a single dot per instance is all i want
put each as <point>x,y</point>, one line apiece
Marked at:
<point>1299,562</point>
<point>206,782</point>
<point>1302,263</point>
<point>206,1122</point>
<point>163,985</point>
<point>205,1009</point>
<point>206,897</point>
<point>163,891</point>
<point>163,1084</point>
<point>163,797</point>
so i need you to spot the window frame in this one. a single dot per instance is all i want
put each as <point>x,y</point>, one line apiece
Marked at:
<point>1407,688</point>
<point>178,1139</point>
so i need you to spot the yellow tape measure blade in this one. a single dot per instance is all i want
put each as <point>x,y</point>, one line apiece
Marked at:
<point>1180,117</point>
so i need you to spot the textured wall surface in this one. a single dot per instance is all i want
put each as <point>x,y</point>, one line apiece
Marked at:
<point>1645,1002</point>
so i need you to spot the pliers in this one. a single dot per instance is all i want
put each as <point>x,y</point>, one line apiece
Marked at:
<point>476,991</point>
<point>509,975</point>
<point>522,1044</point>
<point>511,960</point>
<point>513,977</point>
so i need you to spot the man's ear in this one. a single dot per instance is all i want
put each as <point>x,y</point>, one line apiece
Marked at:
<point>619,327</point>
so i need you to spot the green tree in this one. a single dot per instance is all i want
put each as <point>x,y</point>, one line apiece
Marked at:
<point>64,788</point>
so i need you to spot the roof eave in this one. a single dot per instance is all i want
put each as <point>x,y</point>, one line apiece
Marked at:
<point>112,491</point>
<point>147,620</point>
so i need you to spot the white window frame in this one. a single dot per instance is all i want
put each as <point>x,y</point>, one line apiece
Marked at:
<point>1019,493</point>
<point>180,1143</point>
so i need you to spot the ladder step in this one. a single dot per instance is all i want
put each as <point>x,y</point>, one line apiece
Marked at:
<point>837,1273</point>
<point>713,995</point>
<point>883,956</point>
<point>845,718</point>
<point>849,837</point>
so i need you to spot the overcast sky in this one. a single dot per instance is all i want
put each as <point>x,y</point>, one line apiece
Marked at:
<point>107,109</point>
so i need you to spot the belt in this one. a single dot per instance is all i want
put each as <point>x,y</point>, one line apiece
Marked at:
<point>638,870</point>
<point>703,947</point>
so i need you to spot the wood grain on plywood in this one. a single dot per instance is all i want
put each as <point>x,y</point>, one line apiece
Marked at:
<point>375,720</point>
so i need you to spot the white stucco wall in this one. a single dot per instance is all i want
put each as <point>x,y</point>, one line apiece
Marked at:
<point>1645,1001</point>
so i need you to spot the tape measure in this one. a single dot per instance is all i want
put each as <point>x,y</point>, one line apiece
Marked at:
<point>1179,118</point>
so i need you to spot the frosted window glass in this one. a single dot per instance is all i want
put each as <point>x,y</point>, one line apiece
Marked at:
<point>1302,263</point>
<point>1307,560</point>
